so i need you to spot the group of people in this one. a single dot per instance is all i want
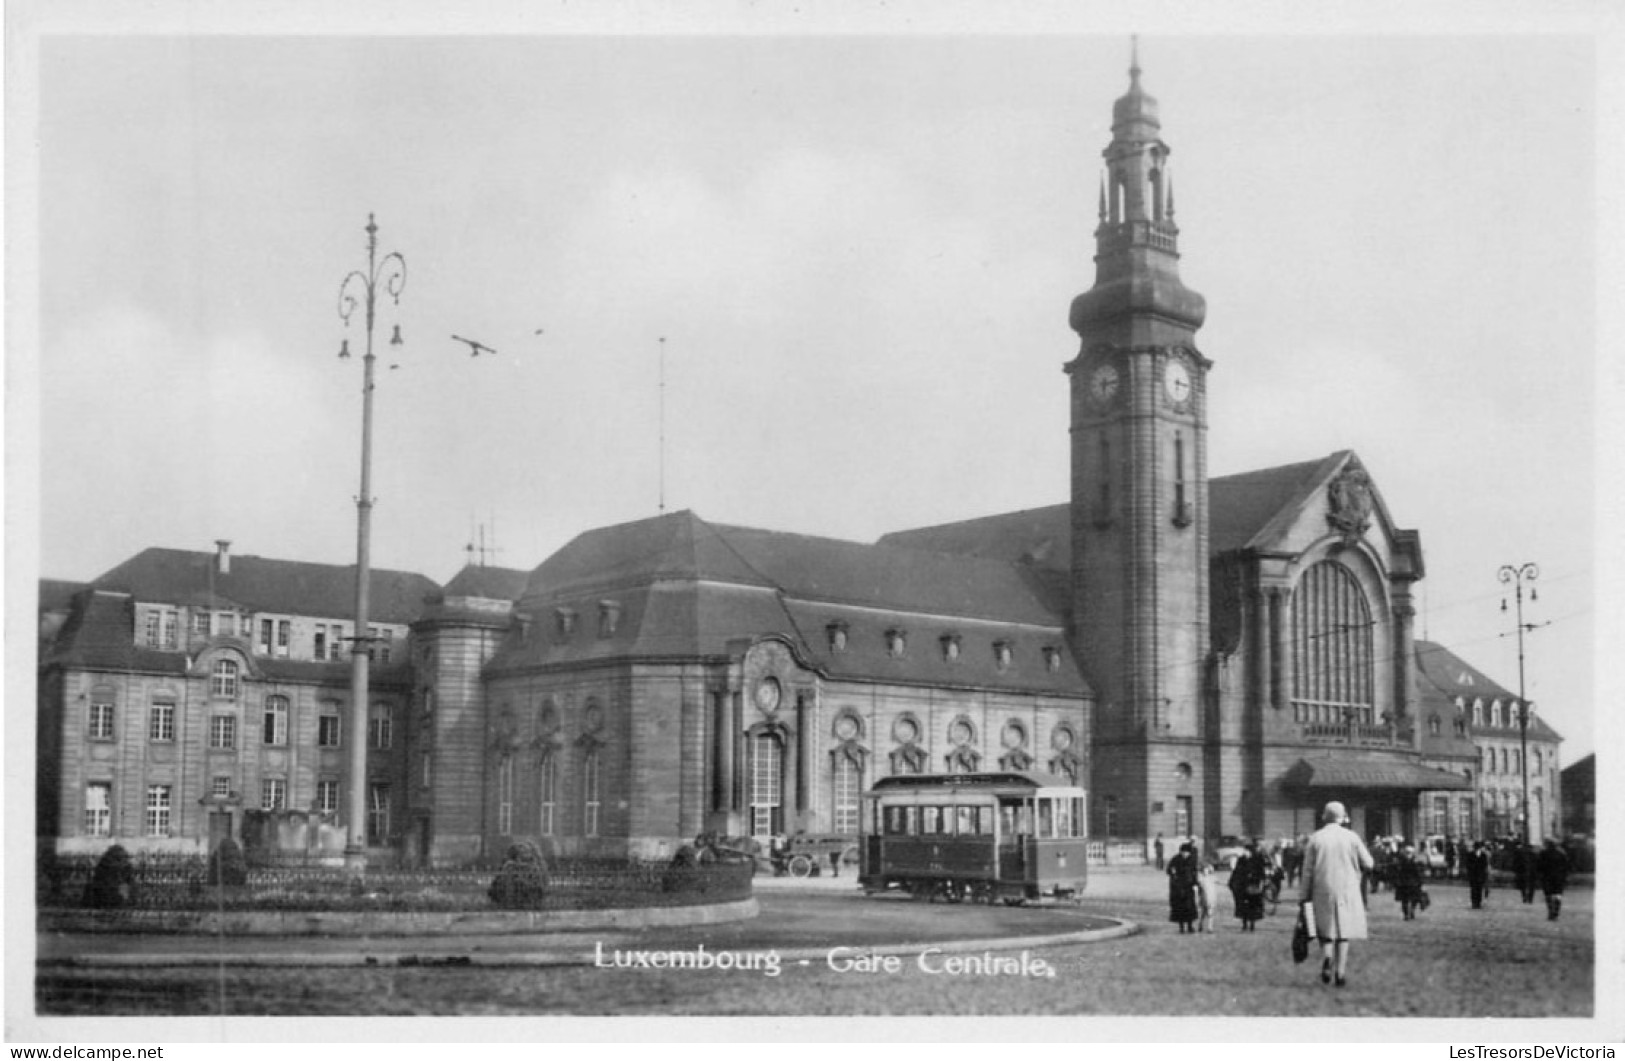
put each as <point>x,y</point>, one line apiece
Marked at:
<point>1193,887</point>
<point>1334,869</point>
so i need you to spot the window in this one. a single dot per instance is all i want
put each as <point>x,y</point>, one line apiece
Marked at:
<point>1052,658</point>
<point>101,716</point>
<point>157,810</point>
<point>766,774</point>
<point>549,795</point>
<point>1111,815</point>
<point>161,721</point>
<point>328,726</point>
<point>428,770</point>
<point>1478,712</point>
<point>590,794</point>
<point>276,720</point>
<point>1002,654</point>
<point>163,629</point>
<point>950,647</point>
<point>1495,713</point>
<point>200,624</point>
<point>896,643</point>
<point>377,813</point>
<point>327,796</point>
<point>837,636</point>
<point>1182,508</point>
<point>380,724</point>
<point>220,786</point>
<point>1104,515</point>
<point>273,793</point>
<point>223,731</point>
<point>284,634</point>
<point>505,797</point>
<point>379,643</point>
<point>564,623</point>
<point>224,683</point>
<point>1433,725</point>
<point>99,808</point>
<point>609,618</point>
<point>1333,670</point>
<point>267,629</point>
<point>848,784</point>
<point>320,649</point>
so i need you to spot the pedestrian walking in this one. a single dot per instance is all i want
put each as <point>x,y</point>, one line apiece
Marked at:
<point>1182,880</point>
<point>1407,877</point>
<point>1247,887</point>
<point>1334,862</point>
<point>1552,867</point>
<point>1450,855</point>
<point>1523,871</point>
<point>1156,849</point>
<point>1476,864</point>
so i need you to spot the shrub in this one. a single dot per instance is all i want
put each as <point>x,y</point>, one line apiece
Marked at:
<point>521,883</point>
<point>112,884</point>
<point>227,866</point>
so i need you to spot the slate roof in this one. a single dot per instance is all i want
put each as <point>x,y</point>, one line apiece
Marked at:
<point>286,587</point>
<point>1442,676</point>
<point>489,583</point>
<point>1240,508</point>
<point>686,587</point>
<point>1349,772</point>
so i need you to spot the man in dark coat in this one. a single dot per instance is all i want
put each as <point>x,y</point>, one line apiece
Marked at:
<point>1552,868</point>
<point>1523,871</point>
<point>1247,886</point>
<point>1406,874</point>
<point>1476,864</point>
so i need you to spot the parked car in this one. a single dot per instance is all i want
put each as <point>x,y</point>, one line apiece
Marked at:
<point>1228,850</point>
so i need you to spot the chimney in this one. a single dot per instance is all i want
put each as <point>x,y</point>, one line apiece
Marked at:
<point>222,556</point>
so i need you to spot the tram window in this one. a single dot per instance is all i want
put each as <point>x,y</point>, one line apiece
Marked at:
<point>982,820</point>
<point>1079,822</point>
<point>1065,822</point>
<point>966,821</point>
<point>930,820</point>
<point>1017,816</point>
<point>1046,818</point>
<point>896,823</point>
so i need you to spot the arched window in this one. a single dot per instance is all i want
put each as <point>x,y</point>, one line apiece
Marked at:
<point>766,785</point>
<point>1332,668</point>
<point>224,683</point>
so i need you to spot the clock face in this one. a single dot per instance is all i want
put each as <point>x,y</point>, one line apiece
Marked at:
<point>1103,384</point>
<point>1177,379</point>
<point>767,694</point>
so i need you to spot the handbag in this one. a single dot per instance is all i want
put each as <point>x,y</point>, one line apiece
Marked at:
<point>1300,935</point>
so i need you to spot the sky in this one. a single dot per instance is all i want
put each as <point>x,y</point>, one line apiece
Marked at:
<point>810,277</point>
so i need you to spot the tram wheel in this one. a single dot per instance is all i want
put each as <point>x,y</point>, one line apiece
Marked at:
<point>801,866</point>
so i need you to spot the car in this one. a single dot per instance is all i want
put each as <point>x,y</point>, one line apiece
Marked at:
<point>1228,850</point>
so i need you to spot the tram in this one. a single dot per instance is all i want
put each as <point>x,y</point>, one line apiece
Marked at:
<point>991,837</point>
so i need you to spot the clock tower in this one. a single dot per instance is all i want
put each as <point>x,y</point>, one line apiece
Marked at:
<point>1139,494</point>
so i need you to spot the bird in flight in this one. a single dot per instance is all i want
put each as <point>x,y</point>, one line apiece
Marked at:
<point>474,349</point>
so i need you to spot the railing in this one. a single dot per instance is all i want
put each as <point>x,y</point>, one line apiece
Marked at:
<point>1358,733</point>
<point>1116,853</point>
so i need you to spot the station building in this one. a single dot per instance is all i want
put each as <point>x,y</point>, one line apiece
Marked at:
<point>1208,656</point>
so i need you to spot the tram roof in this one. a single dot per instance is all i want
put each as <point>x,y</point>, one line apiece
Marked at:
<point>1004,782</point>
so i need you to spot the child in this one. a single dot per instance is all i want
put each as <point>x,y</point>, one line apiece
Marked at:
<point>1206,892</point>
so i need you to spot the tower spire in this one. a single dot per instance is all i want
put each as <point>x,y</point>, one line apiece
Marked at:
<point>1134,59</point>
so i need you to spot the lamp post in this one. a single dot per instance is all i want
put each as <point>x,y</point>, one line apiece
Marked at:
<point>1518,575</point>
<point>361,288</point>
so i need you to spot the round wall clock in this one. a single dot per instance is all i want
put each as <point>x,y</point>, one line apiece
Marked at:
<point>1103,384</point>
<point>767,694</point>
<point>1177,378</point>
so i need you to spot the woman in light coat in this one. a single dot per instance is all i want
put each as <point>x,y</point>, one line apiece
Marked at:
<point>1334,862</point>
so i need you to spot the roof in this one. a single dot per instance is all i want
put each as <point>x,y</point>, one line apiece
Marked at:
<point>1442,676</point>
<point>490,583</point>
<point>56,595</point>
<point>684,587</point>
<point>1240,508</point>
<point>252,583</point>
<point>1348,772</point>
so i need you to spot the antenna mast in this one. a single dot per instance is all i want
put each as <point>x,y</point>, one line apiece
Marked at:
<point>662,425</point>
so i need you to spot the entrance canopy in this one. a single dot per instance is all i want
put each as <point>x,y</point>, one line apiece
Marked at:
<point>1356,773</point>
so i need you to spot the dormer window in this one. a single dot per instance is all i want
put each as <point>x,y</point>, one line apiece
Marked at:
<point>609,617</point>
<point>1002,654</point>
<point>896,642</point>
<point>1052,658</point>
<point>564,623</point>
<point>950,647</point>
<point>837,636</point>
<point>1433,725</point>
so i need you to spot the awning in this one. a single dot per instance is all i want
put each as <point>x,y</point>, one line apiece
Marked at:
<point>1357,773</point>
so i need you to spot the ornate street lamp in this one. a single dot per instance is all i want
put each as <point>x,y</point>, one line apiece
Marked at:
<point>361,288</point>
<point>1518,576</point>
